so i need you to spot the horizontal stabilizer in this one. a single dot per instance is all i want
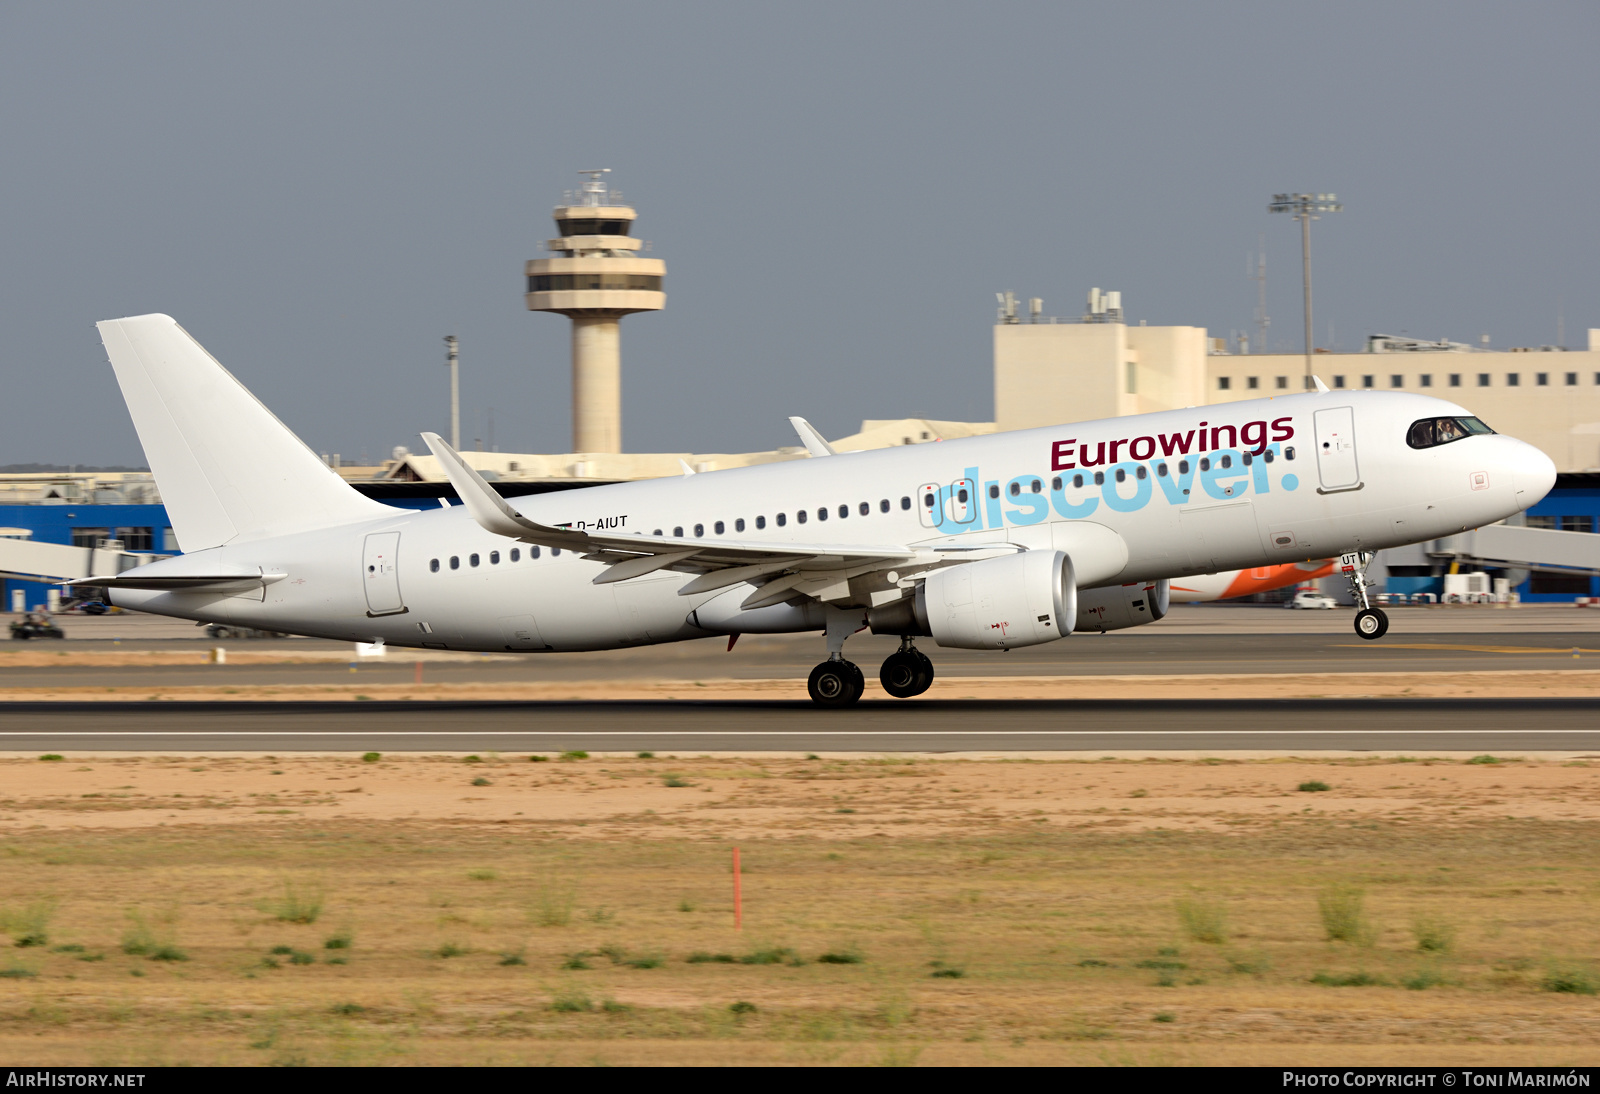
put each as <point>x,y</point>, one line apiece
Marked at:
<point>170,583</point>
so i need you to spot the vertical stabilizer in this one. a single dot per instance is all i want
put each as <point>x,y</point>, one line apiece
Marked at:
<point>227,468</point>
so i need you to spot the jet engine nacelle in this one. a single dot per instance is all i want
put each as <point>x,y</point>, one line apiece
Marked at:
<point>1122,606</point>
<point>997,604</point>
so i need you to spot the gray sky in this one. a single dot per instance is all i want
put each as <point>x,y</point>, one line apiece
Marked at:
<point>321,191</point>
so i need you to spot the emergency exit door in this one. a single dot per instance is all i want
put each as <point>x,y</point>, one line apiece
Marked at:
<point>1336,449</point>
<point>381,573</point>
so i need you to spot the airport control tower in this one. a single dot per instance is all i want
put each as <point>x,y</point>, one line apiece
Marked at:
<point>598,279</point>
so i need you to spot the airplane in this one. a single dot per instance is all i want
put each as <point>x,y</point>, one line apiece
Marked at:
<point>1228,584</point>
<point>990,543</point>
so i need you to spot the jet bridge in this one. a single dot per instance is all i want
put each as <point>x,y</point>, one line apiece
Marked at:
<point>26,560</point>
<point>1505,545</point>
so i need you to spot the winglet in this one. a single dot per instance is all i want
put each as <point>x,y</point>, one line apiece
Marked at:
<point>687,470</point>
<point>487,508</point>
<point>1322,388</point>
<point>814,442</point>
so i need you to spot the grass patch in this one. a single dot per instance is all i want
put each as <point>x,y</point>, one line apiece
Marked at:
<point>1203,920</point>
<point>554,903</point>
<point>299,902</point>
<point>339,940</point>
<point>675,780</point>
<point>575,754</point>
<point>450,949</point>
<point>1313,786</point>
<point>371,757</point>
<point>1346,980</point>
<point>571,1002</point>
<point>741,1008</point>
<point>482,875</point>
<point>472,759</point>
<point>1343,911</point>
<point>1422,980</point>
<point>1485,759</point>
<point>1433,934</point>
<point>51,758</point>
<point>645,961</point>
<point>512,958</point>
<point>645,755</point>
<point>169,952</point>
<point>577,962</point>
<point>18,972</point>
<point>347,1010</point>
<point>947,972</point>
<point>1568,978</point>
<point>28,924</point>
<point>70,947</point>
<point>538,759</point>
<point>481,781</point>
<point>851,956</point>
<point>701,957</point>
<point>771,955</point>
<point>1163,1016</point>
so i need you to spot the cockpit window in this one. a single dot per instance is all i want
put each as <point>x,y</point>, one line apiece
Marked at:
<point>1430,432</point>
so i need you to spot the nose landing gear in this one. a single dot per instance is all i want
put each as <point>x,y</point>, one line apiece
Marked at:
<point>906,672</point>
<point>1371,623</point>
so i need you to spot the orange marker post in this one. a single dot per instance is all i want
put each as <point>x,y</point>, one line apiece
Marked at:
<point>418,675</point>
<point>738,897</point>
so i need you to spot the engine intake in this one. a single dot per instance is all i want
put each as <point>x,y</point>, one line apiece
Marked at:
<point>997,604</point>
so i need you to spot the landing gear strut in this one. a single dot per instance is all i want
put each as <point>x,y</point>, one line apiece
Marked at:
<point>907,671</point>
<point>1371,623</point>
<point>837,682</point>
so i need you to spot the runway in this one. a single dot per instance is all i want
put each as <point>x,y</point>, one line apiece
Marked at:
<point>1389,726</point>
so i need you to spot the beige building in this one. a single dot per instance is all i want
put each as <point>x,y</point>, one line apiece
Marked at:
<point>1048,371</point>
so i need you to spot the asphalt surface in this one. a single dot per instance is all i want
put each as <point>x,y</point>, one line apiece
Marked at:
<point>1298,725</point>
<point>793,658</point>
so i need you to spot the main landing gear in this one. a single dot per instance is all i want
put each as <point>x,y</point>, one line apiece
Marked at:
<point>1371,623</point>
<point>838,683</point>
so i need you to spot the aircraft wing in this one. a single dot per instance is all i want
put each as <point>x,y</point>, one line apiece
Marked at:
<point>787,568</point>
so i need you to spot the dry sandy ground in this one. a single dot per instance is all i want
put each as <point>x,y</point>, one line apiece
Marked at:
<point>905,910</point>
<point>1577,683</point>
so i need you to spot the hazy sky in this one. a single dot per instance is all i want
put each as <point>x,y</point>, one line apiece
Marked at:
<point>320,191</point>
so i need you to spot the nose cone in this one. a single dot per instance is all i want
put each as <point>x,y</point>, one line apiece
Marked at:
<point>1533,472</point>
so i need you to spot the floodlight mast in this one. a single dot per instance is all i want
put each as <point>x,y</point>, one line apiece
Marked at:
<point>1305,208</point>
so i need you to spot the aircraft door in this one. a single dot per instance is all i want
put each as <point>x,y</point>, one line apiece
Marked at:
<point>381,573</point>
<point>962,501</point>
<point>1336,448</point>
<point>928,509</point>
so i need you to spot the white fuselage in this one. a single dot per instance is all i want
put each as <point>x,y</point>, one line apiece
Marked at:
<point>1326,474</point>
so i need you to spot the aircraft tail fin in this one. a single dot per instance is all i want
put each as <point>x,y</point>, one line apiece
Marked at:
<point>227,468</point>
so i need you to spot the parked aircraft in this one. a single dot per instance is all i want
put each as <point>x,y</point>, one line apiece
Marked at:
<point>1199,588</point>
<point>990,542</point>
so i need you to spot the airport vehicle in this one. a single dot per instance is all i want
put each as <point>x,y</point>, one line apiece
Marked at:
<point>1310,598</point>
<point>991,542</point>
<point>35,625</point>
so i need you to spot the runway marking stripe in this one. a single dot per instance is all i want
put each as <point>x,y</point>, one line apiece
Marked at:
<point>1468,649</point>
<point>786,733</point>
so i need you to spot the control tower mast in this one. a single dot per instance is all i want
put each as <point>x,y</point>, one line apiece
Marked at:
<point>598,279</point>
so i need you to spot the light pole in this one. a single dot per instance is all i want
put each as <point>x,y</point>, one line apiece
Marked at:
<point>453,360</point>
<point>1305,208</point>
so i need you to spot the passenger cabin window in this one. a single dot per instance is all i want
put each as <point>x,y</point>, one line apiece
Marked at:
<point>678,531</point>
<point>799,516</point>
<point>433,566</point>
<point>1016,490</point>
<point>783,518</point>
<point>699,531</point>
<point>533,552</point>
<point>1099,478</point>
<point>761,522</point>
<point>905,502</point>
<point>494,558</point>
<point>866,507</point>
<point>1432,432</point>
<point>455,562</point>
<point>718,527</point>
<point>994,491</point>
<point>822,512</point>
<point>738,525</point>
<point>844,511</point>
<point>516,554</point>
